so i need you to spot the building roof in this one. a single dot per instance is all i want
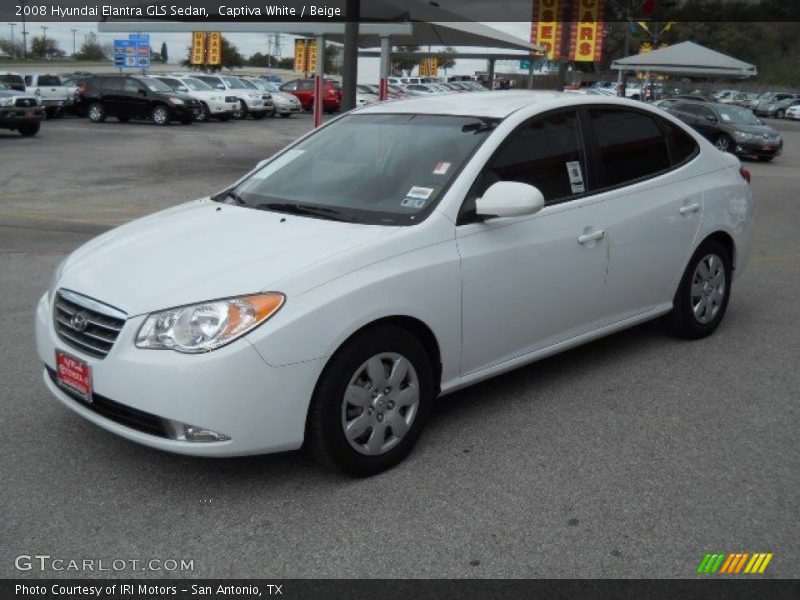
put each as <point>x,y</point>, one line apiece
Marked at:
<point>687,58</point>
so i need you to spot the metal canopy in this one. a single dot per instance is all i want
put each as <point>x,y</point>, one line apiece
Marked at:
<point>688,59</point>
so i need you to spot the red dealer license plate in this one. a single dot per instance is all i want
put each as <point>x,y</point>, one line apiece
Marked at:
<point>74,375</point>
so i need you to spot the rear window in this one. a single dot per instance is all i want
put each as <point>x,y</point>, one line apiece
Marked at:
<point>49,80</point>
<point>682,146</point>
<point>630,145</point>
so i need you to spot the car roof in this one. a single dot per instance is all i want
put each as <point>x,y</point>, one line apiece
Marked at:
<point>496,105</point>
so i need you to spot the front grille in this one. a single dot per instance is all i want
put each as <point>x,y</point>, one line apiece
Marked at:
<point>119,413</point>
<point>231,99</point>
<point>22,102</point>
<point>266,97</point>
<point>80,323</point>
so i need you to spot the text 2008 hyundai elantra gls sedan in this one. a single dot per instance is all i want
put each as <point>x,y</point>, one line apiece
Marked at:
<point>400,252</point>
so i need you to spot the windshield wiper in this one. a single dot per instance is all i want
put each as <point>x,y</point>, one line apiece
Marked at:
<point>306,210</point>
<point>229,194</point>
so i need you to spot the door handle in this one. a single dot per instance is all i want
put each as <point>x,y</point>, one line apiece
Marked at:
<point>591,237</point>
<point>689,208</point>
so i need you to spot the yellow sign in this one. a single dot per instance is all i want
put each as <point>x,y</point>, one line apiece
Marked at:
<point>548,26</point>
<point>586,44</point>
<point>214,43</point>
<point>645,48</point>
<point>305,56</point>
<point>198,54</point>
<point>429,67</point>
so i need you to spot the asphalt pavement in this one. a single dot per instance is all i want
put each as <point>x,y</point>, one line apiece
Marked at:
<point>632,456</point>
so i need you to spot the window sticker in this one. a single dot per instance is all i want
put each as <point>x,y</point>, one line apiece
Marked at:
<point>412,203</point>
<point>419,193</point>
<point>575,177</point>
<point>441,168</point>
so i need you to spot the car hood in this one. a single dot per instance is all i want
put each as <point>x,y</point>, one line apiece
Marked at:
<point>283,96</point>
<point>756,130</point>
<point>204,250</point>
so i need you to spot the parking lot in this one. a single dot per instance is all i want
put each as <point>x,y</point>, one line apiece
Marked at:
<point>631,457</point>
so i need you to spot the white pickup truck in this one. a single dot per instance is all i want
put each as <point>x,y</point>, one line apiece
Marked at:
<point>52,94</point>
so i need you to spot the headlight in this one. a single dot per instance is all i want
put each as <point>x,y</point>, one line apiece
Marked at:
<point>6,101</point>
<point>209,325</point>
<point>740,135</point>
<point>176,100</point>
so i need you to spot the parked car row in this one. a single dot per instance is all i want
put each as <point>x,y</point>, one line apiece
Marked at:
<point>20,111</point>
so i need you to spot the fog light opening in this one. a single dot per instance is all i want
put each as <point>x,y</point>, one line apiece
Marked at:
<point>183,432</point>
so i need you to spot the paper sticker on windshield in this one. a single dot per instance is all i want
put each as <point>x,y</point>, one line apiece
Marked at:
<point>441,168</point>
<point>575,177</point>
<point>412,202</point>
<point>419,193</point>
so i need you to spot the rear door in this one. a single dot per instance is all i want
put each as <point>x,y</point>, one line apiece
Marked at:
<point>652,192</point>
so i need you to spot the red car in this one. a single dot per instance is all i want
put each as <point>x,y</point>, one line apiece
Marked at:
<point>303,89</point>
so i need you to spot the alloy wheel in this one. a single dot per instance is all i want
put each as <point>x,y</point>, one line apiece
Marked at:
<point>708,290</point>
<point>723,143</point>
<point>380,403</point>
<point>160,115</point>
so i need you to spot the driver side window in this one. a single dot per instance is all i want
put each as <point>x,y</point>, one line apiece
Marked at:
<point>547,153</point>
<point>132,86</point>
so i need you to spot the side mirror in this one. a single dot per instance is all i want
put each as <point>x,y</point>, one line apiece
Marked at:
<point>711,119</point>
<point>142,92</point>
<point>509,199</point>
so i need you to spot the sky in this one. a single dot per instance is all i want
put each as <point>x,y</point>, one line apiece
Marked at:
<point>247,43</point>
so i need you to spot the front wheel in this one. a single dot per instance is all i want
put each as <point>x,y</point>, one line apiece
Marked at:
<point>702,297</point>
<point>160,115</point>
<point>371,402</point>
<point>204,114</point>
<point>29,130</point>
<point>723,143</point>
<point>780,114</point>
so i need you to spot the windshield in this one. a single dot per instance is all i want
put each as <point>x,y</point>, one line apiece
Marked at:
<point>155,85</point>
<point>394,172</point>
<point>196,85</point>
<point>737,116</point>
<point>234,83</point>
<point>270,87</point>
<point>248,84</point>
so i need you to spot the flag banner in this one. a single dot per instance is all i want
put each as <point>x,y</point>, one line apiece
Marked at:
<point>587,31</point>
<point>198,53</point>
<point>548,26</point>
<point>214,48</point>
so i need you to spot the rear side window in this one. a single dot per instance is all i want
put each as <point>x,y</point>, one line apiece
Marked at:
<point>630,145</point>
<point>682,146</point>
<point>49,80</point>
<point>113,83</point>
<point>172,83</point>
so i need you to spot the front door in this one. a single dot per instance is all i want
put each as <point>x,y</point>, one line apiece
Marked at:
<point>531,282</point>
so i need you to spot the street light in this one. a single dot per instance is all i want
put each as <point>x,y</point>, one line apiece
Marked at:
<point>13,48</point>
<point>22,4</point>
<point>44,40</point>
<point>74,31</point>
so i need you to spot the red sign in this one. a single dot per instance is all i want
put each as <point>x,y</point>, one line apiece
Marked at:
<point>548,26</point>
<point>74,374</point>
<point>586,43</point>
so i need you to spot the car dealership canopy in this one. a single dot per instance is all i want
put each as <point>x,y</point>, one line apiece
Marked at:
<point>687,59</point>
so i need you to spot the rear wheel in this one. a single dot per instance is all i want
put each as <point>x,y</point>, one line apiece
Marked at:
<point>780,114</point>
<point>29,129</point>
<point>160,115</point>
<point>204,114</point>
<point>371,402</point>
<point>97,112</point>
<point>702,297</point>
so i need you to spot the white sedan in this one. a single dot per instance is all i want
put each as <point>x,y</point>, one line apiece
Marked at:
<point>328,297</point>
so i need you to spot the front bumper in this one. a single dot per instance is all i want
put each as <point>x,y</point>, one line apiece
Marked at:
<point>223,108</point>
<point>288,109</point>
<point>230,390</point>
<point>759,148</point>
<point>12,117</point>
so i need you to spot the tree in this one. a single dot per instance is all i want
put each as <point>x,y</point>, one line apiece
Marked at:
<point>402,65</point>
<point>12,50</point>
<point>45,48</point>
<point>332,62</point>
<point>164,52</point>
<point>91,49</point>
<point>448,62</point>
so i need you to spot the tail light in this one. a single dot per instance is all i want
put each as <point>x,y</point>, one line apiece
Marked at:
<point>745,174</point>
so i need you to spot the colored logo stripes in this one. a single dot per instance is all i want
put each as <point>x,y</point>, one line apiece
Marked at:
<point>734,563</point>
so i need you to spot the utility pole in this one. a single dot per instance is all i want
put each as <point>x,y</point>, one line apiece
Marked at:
<point>22,4</point>
<point>44,40</point>
<point>74,31</point>
<point>13,47</point>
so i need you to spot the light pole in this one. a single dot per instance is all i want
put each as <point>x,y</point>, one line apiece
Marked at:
<point>13,48</point>
<point>74,31</point>
<point>22,4</point>
<point>44,40</point>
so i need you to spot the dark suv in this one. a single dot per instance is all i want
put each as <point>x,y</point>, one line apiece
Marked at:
<point>129,97</point>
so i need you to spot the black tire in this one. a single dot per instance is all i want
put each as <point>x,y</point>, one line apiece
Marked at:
<point>724,143</point>
<point>258,116</point>
<point>123,119</point>
<point>156,114</point>
<point>325,438</point>
<point>244,111</point>
<point>96,112</point>
<point>780,114</point>
<point>205,113</point>
<point>29,129</point>
<point>285,115</point>
<point>681,321</point>
<point>224,118</point>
